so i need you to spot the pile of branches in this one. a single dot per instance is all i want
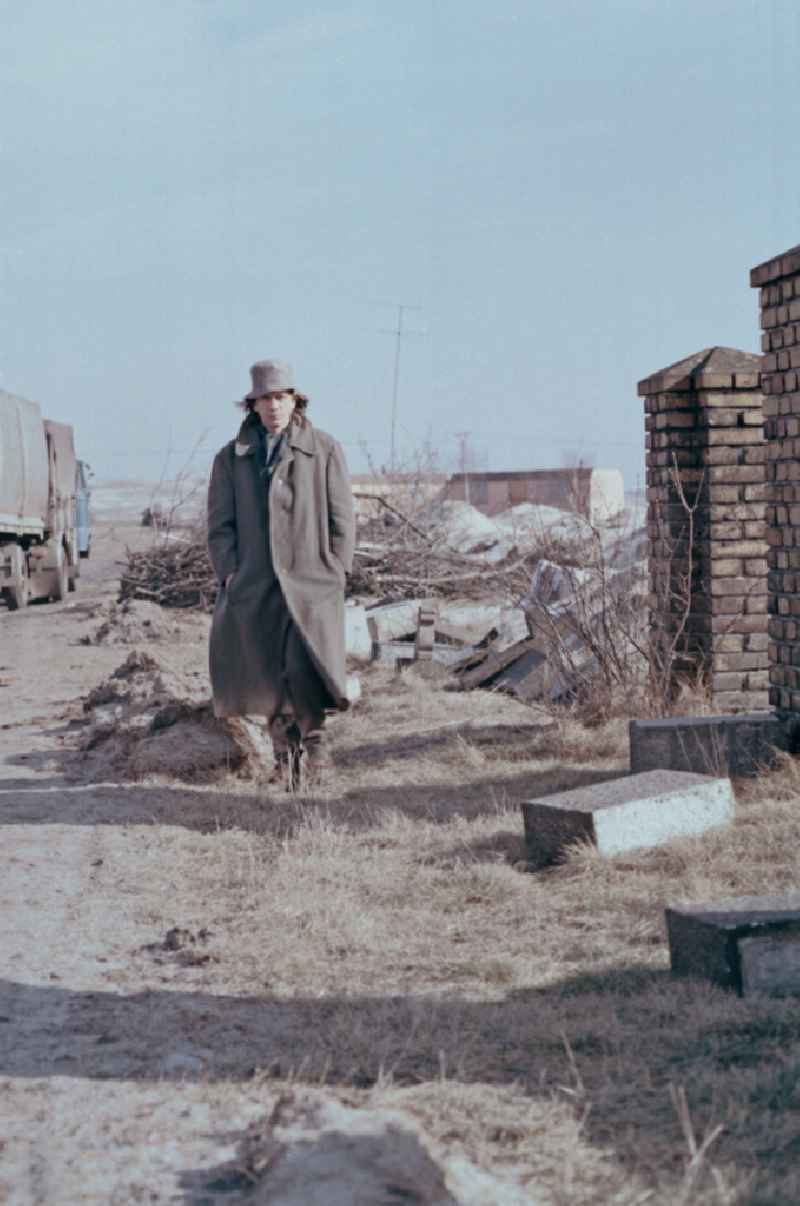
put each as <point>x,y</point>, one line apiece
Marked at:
<point>397,558</point>
<point>401,561</point>
<point>173,573</point>
<point>410,565</point>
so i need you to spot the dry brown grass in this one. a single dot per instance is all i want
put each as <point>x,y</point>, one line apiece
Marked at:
<point>381,938</point>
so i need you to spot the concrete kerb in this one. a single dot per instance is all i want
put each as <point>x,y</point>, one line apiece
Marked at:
<point>742,745</point>
<point>631,813</point>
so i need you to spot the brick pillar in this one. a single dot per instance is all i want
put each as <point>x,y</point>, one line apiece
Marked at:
<point>703,419</point>
<point>779,282</point>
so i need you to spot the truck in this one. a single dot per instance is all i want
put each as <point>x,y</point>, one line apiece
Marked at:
<point>39,554</point>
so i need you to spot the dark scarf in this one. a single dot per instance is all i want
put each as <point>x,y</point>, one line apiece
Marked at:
<point>266,468</point>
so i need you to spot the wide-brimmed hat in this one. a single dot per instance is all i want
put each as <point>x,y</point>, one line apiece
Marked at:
<point>269,377</point>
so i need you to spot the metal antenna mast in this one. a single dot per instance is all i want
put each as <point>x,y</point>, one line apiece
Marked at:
<point>400,333</point>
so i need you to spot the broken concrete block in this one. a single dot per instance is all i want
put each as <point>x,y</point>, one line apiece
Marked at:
<point>521,670</point>
<point>388,653</point>
<point>553,583</point>
<point>743,744</point>
<point>394,621</point>
<point>748,943</point>
<point>511,629</point>
<point>471,616</point>
<point>402,653</point>
<point>523,678</point>
<point>353,688</point>
<point>632,813</point>
<point>770,964</point>
<point>458,636</point>
<point>357,636</point>
<point>471,623</point>
<point>483,669</point>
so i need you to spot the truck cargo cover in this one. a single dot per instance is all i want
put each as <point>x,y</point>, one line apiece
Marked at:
<point>23,467</point>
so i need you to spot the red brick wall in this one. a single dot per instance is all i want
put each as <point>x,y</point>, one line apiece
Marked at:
<point>704,439</point>
<point>779,283</point>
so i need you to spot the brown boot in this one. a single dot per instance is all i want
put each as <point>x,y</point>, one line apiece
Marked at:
<point>287,749</point>
<point>280,771</point>
<point>317,759</point>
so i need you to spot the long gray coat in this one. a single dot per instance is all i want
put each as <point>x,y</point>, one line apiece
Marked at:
<point>303,534</point>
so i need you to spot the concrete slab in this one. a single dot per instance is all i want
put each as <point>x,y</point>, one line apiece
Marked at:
<point>524,677</point>
<point>394,621</point>
<point>511,629</point>
<point>626,814</point>
<point>741,745</point>
<point>748,943</point>
<point>473,617</point>
<point>358,639</point>
<point>397,653</point>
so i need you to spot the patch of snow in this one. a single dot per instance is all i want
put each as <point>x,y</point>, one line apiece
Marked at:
<point>459,525</point>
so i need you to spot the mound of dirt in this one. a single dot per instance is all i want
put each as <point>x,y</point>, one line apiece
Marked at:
<point>131,623</point>
<point>145,719</point>
<point>316,1152</point>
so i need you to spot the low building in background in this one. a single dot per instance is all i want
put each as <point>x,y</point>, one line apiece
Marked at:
<point>596,494</point>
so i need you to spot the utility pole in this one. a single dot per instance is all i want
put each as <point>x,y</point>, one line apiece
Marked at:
<point>395,379</point>
<point>463,437</point>
<point>400,333</point>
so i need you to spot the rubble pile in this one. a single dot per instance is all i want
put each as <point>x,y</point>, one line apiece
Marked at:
<point>146,720</point>
<point>133,622</point>
<point>453,549</point>
<point>573,620</point>
<point>534,601</point>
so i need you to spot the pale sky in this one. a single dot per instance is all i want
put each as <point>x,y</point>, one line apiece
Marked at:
<point>572,192</point>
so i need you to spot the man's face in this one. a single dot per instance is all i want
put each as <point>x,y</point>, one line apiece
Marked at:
<point>275,410</point>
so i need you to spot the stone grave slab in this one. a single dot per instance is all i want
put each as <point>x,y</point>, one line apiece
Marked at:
<point>630,813</point>
<point>743,744</point>
<point>748,943</point>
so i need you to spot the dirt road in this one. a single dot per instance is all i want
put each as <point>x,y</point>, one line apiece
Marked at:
<point>105,1092</point>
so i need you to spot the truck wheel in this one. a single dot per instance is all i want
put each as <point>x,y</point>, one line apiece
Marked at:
<point>18,594</point>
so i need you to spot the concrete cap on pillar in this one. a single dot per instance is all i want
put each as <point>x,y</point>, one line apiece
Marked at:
<point>785,264</point>
<point>712,368</point>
